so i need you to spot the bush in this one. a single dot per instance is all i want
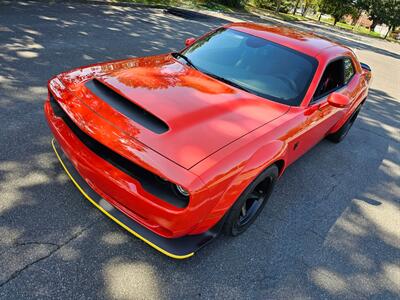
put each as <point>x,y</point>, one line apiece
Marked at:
<point>286,5</point>
<point>264,4</point>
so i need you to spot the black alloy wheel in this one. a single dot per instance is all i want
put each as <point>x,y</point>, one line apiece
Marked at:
<point>251,202</point>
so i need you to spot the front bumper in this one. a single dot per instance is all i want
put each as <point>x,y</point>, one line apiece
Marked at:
<point>120,189</point>
<point>178,248</point>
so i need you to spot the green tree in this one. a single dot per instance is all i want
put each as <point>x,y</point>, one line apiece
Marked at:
<point>359,7</point>
<point>363,4</point>
<point>321,8</point>
<point>338,8</point>
<point>376,12</point>
<point>276,5</point>
<point>307,5</point>
<point>296,6</point>
<point>391,14</point>
<point>381,11</point>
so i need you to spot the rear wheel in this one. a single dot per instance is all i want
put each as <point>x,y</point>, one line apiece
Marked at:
<point>251,202</point>
<point>339,135</point>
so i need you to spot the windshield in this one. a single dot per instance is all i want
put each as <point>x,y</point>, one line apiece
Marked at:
<point>253,64</point>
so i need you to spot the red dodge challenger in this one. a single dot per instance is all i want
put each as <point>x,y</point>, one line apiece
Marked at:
<point>178,147</point>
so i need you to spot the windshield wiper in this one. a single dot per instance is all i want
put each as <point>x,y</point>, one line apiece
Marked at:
<point>227,81</point>
<point>185,58</point>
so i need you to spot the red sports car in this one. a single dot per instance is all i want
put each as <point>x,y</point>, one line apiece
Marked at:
<point>178,147</point>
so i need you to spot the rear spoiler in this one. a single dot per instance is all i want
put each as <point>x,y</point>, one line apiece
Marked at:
<point>365,67</point>
<point>367,71</point>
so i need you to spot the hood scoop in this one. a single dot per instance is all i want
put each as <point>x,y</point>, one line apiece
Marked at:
<point>126,107</point>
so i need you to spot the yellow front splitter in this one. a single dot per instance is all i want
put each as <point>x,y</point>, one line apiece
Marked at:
<point>178,248</point>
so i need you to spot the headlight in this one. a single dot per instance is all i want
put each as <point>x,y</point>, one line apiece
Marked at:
<point>182,191</point>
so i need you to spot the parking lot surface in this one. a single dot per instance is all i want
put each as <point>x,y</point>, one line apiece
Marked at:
<point>331,229</point>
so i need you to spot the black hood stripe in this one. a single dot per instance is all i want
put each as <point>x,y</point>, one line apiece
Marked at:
<point>126,107</point>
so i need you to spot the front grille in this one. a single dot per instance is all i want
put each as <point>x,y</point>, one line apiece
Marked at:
<point>151,183</point>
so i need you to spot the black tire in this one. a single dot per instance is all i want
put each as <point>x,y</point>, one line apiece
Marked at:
<point>339,135</point>
<point>247,207</point>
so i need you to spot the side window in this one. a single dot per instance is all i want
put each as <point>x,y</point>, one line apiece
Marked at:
<point>348,70</point>
<point>332,79</point>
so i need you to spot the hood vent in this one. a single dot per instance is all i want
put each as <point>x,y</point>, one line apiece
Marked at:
<point>126,107</point>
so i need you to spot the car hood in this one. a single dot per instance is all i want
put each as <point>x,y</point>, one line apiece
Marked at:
<point>173,109</point>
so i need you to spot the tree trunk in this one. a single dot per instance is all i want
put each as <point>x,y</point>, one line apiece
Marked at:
<point>278,5</point>
<point>355,21</point>
<point>322,11</point>
<point>296,6</point>
<point>304,9</point>
<point>373,25</point>
<point>334,21</point>
<point>387,33</point>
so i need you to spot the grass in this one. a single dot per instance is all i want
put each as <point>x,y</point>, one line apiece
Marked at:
<point>355,29</point>
<point>359,29</point>
<point>344,26</point>
<point>364,30</point>
<point>282,16</point>
<point>291,17</point>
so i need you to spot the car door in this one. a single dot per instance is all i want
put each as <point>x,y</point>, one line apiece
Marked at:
<point>319,117</point>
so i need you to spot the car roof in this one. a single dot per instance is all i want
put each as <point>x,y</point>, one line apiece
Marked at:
<point>308,43</point>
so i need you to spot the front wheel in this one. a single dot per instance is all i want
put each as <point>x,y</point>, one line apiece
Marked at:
<point>251,202</point>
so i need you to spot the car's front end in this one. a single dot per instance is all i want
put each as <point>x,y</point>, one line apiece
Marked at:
<point>161,196</point>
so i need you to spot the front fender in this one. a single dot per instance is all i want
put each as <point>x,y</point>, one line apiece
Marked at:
<point>228,183</point>
<point>255,165</point>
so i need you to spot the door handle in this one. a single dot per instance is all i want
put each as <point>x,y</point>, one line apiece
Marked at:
<point>310,110</point>
<point>322,105</point>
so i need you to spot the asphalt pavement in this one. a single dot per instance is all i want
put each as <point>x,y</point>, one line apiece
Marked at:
<point>331,229</point>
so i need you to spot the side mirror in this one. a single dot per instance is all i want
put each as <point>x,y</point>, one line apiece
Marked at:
<point>338,100</point>
<point>189,41</point>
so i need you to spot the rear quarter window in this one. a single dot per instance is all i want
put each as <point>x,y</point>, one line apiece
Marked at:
<point>348,70</point>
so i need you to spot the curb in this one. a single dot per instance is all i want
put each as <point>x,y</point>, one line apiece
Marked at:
<point>186,13</point>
